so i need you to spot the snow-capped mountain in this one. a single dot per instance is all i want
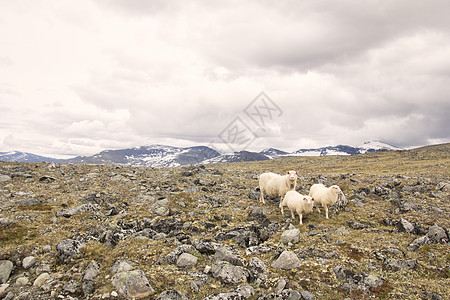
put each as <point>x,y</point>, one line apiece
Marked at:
<point>168,156</point>
<point>24,157</point>
<point>236,157</point>
<point>151,156</point>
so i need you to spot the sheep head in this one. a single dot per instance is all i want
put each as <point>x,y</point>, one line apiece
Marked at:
<point>309,200</point>
<point>292,175</point>
<point>336,189</point>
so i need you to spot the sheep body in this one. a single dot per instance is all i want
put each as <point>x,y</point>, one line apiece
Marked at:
<point>298,203</point>
<point>326,196</point>
<point>276,185</point>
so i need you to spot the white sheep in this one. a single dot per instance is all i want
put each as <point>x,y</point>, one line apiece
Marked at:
<point>276,185</point>
<point>297,202</point>
<point>325,196</point>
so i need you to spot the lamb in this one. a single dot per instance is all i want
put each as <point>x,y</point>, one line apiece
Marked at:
<point>276,185</point>
<point>325,196</point>
<point>297,202</point>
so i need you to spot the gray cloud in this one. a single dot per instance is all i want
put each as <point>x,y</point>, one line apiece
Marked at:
<point>113,74</point>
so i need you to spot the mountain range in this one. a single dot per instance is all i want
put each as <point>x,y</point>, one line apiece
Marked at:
<point>168,156</point>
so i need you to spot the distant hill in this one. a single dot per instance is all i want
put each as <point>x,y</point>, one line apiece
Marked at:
<point>169,156</point>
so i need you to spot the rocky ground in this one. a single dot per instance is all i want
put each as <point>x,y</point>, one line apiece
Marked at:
<point>113,232</point>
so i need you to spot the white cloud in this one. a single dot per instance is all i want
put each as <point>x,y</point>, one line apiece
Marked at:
<point>80,77</point>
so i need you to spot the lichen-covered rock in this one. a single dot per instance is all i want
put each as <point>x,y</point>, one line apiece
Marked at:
<point>68,250</point>
<point>286,261</point>
<point>6,267</point>
<point>132,284</point>
<point>228,274</point>
<point>290,236</point>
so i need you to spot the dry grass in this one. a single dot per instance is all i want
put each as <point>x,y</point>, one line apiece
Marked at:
<point>38,225</point>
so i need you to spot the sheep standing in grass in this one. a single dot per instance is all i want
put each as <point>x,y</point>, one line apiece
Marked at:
<point>276,185</point>
<point>298,203</point>
<point>325,196</point>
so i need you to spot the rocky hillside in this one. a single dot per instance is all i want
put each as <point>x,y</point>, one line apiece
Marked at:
<point>114,232</point>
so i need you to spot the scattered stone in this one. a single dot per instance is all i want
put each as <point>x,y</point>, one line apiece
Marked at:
<point>28,262</point>
<point>41,280</point>
<point>172,257</point>
<point>122,265</point>
<point>307,295</point>
<point>437,234</point>
<point>224,254</point>
<point>6,267</point>
<point>22,280</point>
<point>186,260</point>
<point>399,264</point>
<point>132,284</point>
<point>4,178</point>
<point>88,207</point>
<point>242,292</point>
<point>228,274</point>
<point>405,226</point>
<point>172,295</point>
<point>290,236</point>
<point>357,225</point>
<point>72,287</point>
<point>69,250</point>
<point>91,271</point>
<point>287,260</point>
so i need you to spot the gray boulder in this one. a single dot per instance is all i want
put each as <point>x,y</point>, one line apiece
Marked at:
<point>224,254</point>
<point>132,284</point>
<point>68,250</point>
<point>186,260</point>
<point>228,274</point>
<point>437,234</point>
<point>6,267</point>
<point>290,236</point>
<point>91,270</point>
<point>286,261</point>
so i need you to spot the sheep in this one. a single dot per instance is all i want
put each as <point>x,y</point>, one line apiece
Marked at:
<point>297,202</point>
<point>276,185</point>
<point>325,196</point>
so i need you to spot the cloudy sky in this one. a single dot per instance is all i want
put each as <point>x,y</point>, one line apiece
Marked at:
<point>78,77</point>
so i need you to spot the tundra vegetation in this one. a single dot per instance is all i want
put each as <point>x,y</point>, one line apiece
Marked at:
<point>109,232</point>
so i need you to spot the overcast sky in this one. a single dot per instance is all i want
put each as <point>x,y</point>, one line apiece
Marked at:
<point>79,77</point>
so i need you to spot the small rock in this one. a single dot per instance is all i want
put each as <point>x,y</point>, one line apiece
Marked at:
<point>132,284</point>
<point>22,280</point>
<point>405,226</point>
<point>171,295</point>
<point>307,295</point>
<point>41,280</point>
<point>68,250</point>
<point>28,262</point>
<point>227,273</point>
<point>287,260</point>
<point>91,271</point>
<point>290,236</point>
<point>6,267</point>
<point>357,225</point>
<point>223,254</point>
<point>186,260</point>
<point>4,178</point>
<point>437,234</point>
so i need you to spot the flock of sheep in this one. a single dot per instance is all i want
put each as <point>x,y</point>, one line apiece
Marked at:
<point>276,185</point>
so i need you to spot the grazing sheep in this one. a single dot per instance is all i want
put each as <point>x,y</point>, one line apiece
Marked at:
<point>325,196</point>
<point>276,185</point>
<point>297,202</point>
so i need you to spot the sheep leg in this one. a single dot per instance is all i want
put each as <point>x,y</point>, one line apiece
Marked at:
<point>261,197</point>
<point>326,211</point>
<point>301,218</point>
<point>292,215</point>
<point>281,207</point>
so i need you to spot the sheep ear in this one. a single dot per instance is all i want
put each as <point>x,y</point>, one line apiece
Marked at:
<point>287,172</point>
<point>296,173</point>
<point>312,199</point>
